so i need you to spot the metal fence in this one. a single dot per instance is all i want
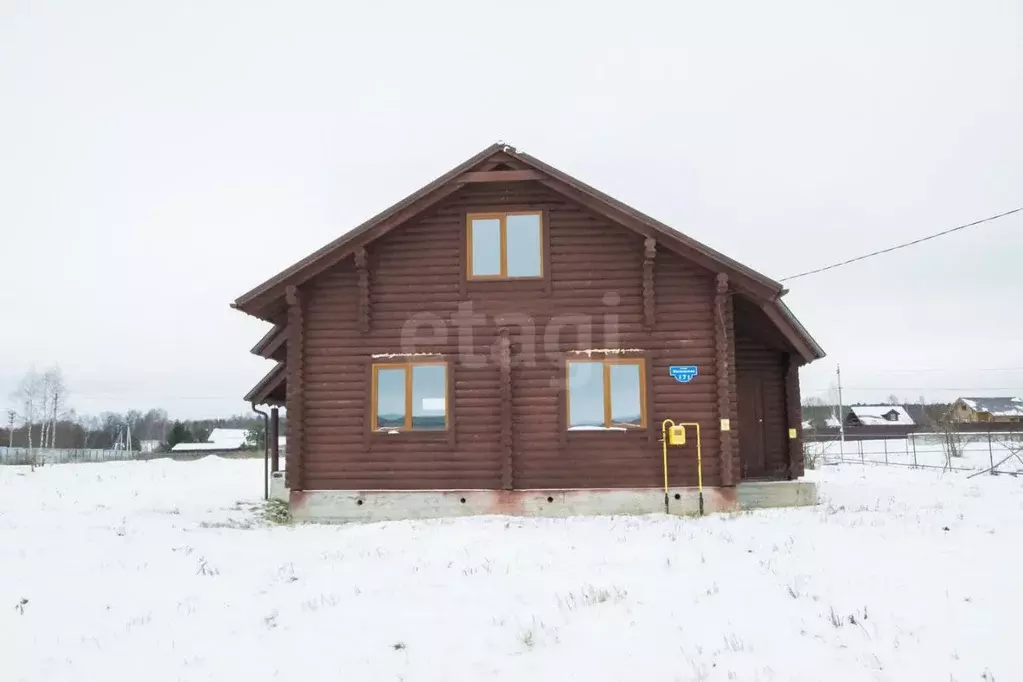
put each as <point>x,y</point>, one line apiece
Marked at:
<point>997,452</point>
<point>40,456</point>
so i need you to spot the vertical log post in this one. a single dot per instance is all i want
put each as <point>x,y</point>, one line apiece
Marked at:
<point>362,269</point>
<point>274,439</point>
<point>294,474</point>
<point>649,299</point>
<point>794,417</point>
<point>722,333</point>
<point>507,444</point>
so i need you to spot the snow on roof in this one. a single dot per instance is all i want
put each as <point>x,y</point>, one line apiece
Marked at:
<point>877,415</point>
<point>225,436</point>
<point>832,422</point>
<point>996,407</point>
<point>204,447</point>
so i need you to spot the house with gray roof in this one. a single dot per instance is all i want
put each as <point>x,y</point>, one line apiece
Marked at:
<point>997,409</point>
<point>878,415</point>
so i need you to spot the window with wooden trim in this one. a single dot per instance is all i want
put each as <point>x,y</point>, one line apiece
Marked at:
<point>606,394</point>
<point>410,396</point>
<point>505,245</point>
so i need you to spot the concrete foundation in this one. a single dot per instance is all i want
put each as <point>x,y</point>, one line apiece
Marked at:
<point>333,506</point>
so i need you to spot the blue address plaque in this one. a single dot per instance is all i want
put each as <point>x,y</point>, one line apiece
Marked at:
<point>684,373</point>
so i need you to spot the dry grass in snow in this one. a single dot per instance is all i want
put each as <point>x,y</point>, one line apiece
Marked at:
<point>166,571</point>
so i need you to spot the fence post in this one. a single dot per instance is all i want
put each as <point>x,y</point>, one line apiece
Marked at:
<point>862,459</point>
<point>990,454</point>
<point>885,450</point>
<point>914,450</point>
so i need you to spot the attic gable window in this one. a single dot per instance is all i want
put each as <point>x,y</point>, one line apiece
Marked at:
<point>505,245</point>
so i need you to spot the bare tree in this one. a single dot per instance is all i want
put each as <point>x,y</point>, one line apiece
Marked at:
<point>954,440</point>
<point>54,379</point>
<point>43,409</point>
<point>11,415</point>
<point>29,392</point>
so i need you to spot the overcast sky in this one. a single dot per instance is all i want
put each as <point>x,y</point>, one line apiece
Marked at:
<point>157,159</point>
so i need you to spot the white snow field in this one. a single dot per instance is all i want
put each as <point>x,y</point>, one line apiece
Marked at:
<point>163,570</point>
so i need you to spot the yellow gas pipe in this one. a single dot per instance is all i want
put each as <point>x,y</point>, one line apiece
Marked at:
<point>699,458</point>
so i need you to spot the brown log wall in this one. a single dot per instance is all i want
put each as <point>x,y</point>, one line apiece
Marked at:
<point>594,269</point>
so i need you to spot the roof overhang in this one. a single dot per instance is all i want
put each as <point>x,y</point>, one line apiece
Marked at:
<point>271,389</point>
<point>795,333</point>
<point>271,341</point>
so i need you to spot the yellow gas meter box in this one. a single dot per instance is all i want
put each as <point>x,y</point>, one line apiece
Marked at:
<point>676,435</point>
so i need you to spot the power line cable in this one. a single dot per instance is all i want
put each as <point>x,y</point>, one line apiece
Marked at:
<point>917,388</point>
<point>902,246</point>
<point>884,370</point>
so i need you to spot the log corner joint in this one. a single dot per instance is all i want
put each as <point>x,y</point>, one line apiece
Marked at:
<point>649,294</point>
<point>362,270</point>
<point>722,343</point>
<point>507,446</point>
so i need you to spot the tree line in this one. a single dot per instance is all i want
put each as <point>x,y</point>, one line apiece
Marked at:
<point>41,417</point>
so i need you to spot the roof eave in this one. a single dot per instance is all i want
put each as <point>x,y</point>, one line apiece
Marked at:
<point>786,322</point>
<point>267,340</point>
<point>244,302</point>
<point>273,379</point>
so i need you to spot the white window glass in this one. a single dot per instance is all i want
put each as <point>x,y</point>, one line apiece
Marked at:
<point>585,394</point>
<point>626,398</point>
<point>390,397</point>
<point>486,247</point>
<point>429,392</point>
<point>523,245</point>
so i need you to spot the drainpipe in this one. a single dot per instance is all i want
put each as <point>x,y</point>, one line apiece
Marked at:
<point>266,450</point>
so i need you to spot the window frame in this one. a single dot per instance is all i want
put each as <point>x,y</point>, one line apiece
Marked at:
<point>606,364</point>
<point>502,218</point>
<point>408,367</point>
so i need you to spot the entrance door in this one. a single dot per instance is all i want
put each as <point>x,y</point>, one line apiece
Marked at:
<point>752,443</point>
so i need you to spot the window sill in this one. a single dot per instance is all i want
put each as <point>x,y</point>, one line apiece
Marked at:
<point>607,429</point>
<point>438,433</point>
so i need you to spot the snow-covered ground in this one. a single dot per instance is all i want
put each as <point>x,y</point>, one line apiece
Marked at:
<point>162,570</point>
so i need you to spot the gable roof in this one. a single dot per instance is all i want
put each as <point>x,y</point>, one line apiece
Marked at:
<point>228,436</point>
<point>874,415</point>
<point>1005,406</point>
<point>266,298</point>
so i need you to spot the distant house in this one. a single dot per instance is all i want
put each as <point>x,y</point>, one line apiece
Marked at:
<point>1003,409</point>
<point>220,440</point>
<point>878,415</point>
